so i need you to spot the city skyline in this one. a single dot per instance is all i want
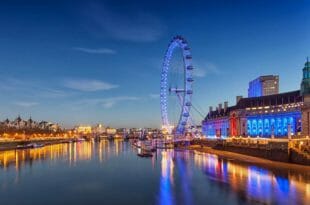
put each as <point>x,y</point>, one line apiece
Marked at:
<point>79,64</point>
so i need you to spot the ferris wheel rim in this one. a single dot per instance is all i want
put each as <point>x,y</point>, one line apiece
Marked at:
<point>177,42</point>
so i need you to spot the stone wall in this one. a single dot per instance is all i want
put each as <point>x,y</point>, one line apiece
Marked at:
<point>305,116</point>
<point>280,155</point>
<point>298,158</point>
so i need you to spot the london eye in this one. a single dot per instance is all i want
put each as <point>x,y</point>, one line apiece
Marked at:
<point>176,87</point>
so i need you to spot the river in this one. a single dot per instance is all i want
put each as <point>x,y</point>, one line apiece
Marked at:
<point>110,172</point>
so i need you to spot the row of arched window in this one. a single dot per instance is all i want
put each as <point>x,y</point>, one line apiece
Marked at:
<point>277,125</point>
<point>261,125</point>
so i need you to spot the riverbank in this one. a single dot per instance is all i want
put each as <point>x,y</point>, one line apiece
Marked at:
<point>10,145</point>
<point>241,158</point>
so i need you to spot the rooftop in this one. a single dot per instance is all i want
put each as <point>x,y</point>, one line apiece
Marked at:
<point>269,100</point>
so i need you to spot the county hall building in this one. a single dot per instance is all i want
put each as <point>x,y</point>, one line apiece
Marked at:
<point>265,112</point>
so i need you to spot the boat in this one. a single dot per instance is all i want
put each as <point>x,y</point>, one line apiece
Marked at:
<point>153,149</point>
<point>29,146</point>
<point>162,144</point>
<point>145,154</point>
<point>144,145</point>
<point>25,146</point>
<point>145,151</point>
<point>148,148</point>
<point>137,144</point>
<point>34,145</point>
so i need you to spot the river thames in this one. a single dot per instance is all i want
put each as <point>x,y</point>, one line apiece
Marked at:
<point>110,172</point>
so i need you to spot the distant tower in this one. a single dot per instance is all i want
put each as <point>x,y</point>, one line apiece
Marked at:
<point>305,83</point>
<point>305,92</point>
<point>264,85</point>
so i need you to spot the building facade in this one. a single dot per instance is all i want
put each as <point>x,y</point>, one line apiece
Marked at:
<point>264,85</point>
<point>273,115</point>
<point>83,129</point>
<point>21,124</point>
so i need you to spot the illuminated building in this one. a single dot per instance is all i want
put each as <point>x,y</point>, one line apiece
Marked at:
<point>264,85</point>
<point>111,131</point>
<point>267,115</point>
<point>99,129</point>
<point>305,92</point>
<point>305,83</point>
<point>21,125</point>
<point>167,129</point>
<point>83,129</point>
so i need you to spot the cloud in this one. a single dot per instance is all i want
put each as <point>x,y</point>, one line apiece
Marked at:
<point>31,87</point>
<point>88,85</point>
<point>95,50</point>
<point>26,104</point>
<point>53,93</point>
<point>135,26</point>
<point>11,84</point>
<point>154,96</point>
<point>212,68</point>
<point>108,102</point>
<point>198,72</point>
<point>204,69</point>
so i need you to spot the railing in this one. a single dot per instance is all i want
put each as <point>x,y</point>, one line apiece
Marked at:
<point>301,145</point>
<point>258,142</point>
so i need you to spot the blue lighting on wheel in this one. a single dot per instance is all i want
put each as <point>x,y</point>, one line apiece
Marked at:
<point>177,42</point>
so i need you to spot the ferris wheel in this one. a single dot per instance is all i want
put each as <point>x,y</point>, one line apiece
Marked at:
<point>176,87</point>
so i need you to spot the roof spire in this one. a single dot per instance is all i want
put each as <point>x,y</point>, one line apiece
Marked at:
<point>307,64</point>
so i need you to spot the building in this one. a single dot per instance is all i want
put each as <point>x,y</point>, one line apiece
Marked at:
<point>53,127</point>
<point>111,131</point>
<point>21,125</point>
<point>305,92</point>
<point>264,85</point>
<point>83,129</point>
<point>99,129</point>
<point>268,115</point>
<point>305,83</point>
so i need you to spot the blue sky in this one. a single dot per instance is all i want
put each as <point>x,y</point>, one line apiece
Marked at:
<point>100,61</point>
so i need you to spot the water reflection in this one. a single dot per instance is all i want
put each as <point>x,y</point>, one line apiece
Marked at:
<point>185,176</point>
<point>251,184</point>
<point>166,179</point>
<point>256,184</point>
<point>176,178</point>
<point>170,177</point>
<point>70,152</point>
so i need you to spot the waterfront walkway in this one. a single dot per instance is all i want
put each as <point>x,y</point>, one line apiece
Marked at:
<point>250,159</point>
